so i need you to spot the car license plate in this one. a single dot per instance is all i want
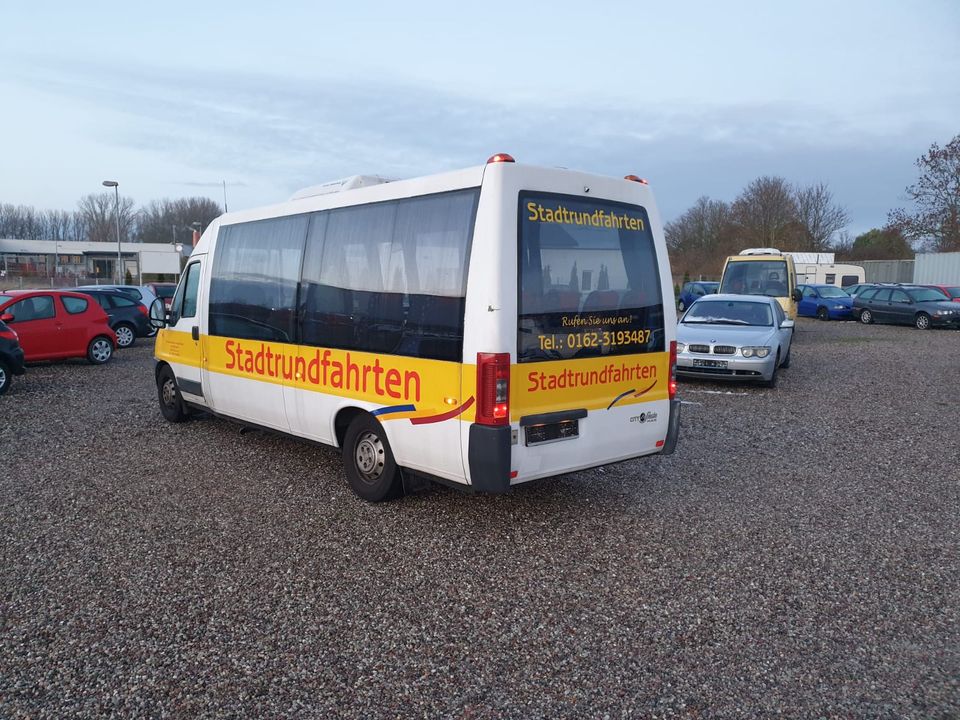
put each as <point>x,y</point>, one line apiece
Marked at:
<point>699,362</point>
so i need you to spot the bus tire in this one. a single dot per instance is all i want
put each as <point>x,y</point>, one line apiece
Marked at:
<point>168,394</point>
<point>368,461</point>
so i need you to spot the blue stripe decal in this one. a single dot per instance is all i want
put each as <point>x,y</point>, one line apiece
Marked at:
<point>394,409</point>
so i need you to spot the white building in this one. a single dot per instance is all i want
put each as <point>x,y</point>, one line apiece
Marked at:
<point>50,259</point>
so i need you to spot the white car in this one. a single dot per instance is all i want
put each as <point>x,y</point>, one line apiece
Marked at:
<point>734,337</point>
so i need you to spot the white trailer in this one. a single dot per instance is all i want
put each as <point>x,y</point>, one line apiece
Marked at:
<point>820,269</point>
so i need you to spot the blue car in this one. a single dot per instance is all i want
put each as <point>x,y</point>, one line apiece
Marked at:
<point>693,291</point>
<point>826,302</point>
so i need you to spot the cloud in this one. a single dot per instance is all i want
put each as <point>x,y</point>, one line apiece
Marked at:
<point>297,132</point>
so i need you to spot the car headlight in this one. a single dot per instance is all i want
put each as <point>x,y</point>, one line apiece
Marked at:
<point>681,347</point>
<point>839,307</point>
<point>755,351</point>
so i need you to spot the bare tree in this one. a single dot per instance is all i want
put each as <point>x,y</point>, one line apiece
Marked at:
<point>766,212</point>
<point>819,216</point>
<point>20,221</point>
<point>702,237</point>
<point>935,220</point>
<point>169,220</point>
<point>98,215</point>
<point>59,225</point>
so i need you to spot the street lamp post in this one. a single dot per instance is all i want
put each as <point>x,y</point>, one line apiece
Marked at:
<point>116,190</point>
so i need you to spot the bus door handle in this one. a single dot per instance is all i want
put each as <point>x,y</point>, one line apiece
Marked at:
<point>195,332</point>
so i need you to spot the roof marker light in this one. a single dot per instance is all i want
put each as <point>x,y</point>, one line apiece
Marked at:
<point>500,157</point>
<point>635,178</point>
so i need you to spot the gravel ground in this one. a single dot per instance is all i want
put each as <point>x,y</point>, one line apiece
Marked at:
<point>797,557</point>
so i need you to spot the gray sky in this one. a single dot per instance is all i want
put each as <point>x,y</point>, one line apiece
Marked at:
<point>699,97</point>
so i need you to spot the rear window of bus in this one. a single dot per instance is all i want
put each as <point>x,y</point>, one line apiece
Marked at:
<point>589,279</point>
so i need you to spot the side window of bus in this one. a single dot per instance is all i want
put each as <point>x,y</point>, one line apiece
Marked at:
<point>256,269</point>
<point>390,277</point>
<point>182,305</point>
<point>191,288</point>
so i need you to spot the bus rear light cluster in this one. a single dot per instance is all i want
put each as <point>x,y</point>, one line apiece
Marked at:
<point>673,369</point>
<point>493,388</point>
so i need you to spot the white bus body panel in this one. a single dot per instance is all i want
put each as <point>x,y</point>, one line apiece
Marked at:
<point>490,323</point>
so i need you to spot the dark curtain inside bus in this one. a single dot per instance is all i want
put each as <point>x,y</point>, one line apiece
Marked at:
<point>390,277</point>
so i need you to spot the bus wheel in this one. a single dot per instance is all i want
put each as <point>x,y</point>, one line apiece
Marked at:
<point>171,404</point>
<point>368,461</point>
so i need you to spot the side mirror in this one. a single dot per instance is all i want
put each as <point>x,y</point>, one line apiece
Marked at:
<point>797,295</point>
<point>158,314</point>
<point>787,325</point>
<point>7,317</point>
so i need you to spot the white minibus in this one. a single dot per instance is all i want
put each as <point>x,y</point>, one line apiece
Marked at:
<point>483,327</point>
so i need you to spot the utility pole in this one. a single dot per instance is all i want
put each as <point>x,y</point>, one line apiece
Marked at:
<point>116,189</point>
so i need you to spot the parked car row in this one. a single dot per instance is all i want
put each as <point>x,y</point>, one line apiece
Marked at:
<point>917,305</point>
<point>922,306</point>
<point>749,337</point>
<point>85,322</point>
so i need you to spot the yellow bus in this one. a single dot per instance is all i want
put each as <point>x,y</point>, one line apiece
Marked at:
<point>762,271</point>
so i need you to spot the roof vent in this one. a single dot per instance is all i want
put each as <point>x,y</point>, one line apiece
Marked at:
<point>334,186</point>
<point>760,251</point>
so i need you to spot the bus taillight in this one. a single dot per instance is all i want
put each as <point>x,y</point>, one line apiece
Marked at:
<point>493,388</point>
<point>673,369</point>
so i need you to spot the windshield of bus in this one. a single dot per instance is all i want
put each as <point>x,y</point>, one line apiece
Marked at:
<point>589,279</point>
<point>756,277</point>
<point>832,292</point>
<point>729,312</point>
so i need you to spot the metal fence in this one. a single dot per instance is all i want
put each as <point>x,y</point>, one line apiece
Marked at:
<point>892,271</point>
<point>937,268</point>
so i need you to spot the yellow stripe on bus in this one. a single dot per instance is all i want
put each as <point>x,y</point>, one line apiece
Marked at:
<point>431,387</point>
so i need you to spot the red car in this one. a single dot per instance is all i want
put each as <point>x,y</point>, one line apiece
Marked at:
<point>164,291</point>
<point>951,291</point>
<point>54,324</point>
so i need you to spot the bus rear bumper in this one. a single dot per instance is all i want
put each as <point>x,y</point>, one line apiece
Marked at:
<point>489,458</point>
<point>673,429</point>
